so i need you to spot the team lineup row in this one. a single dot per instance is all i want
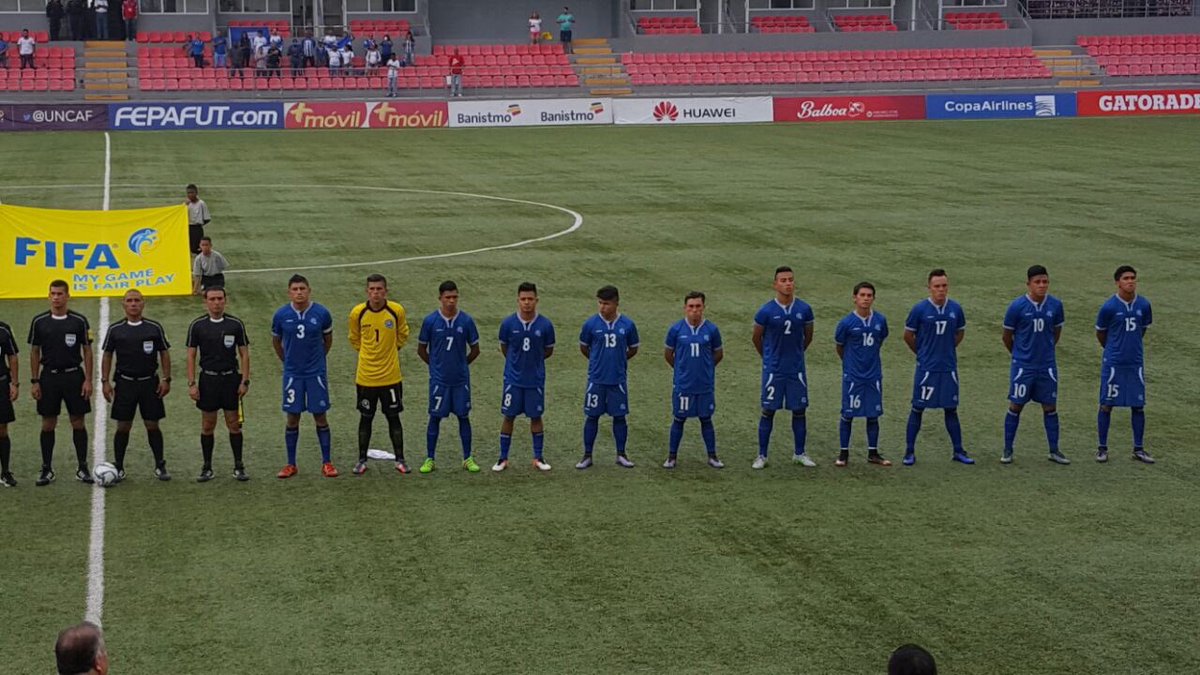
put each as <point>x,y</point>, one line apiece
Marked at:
<point>218,371</point>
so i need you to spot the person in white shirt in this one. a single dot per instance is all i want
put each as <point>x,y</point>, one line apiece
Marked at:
<point>25,47</point>
<point>535,28</point>
<point>347,56</point>
<point>335,63</point>
<point>277,39</point>
<point>393,67</point>
<point>257,41</point>
<point>373,59</point>
<point>101,9</point>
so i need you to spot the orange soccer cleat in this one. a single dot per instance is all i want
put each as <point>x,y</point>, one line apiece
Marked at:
<point>288,471</point>
<point>329,470</point>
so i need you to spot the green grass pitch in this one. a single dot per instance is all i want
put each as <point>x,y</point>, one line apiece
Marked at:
<point>1029,568</point>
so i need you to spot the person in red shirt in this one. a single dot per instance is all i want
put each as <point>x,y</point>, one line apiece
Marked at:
<point>456,72</point>
<point>129,12</point>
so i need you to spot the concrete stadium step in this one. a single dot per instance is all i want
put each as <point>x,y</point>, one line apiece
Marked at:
<point>105,97</point>
<point>1078,84</point>
<point>606,82</point>
<point>597,61</point>
<point>109,75</point>
<point>104,65</point>
<point>621,91</point>
<point>1042,53</point>
<point>591,42</point>
<point>594,51</point>
<point>601,70</point>
<point>105,86</point>
<point>104,44</point>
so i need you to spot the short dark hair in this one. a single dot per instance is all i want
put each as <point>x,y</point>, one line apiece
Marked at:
<point>377,279</point>
<point>78,648</point>
<point>911,660</point>
<point>192,186</point>
<point>297,279</point>
<point>1122,271</point>
<point>206,238</point>
<point>864,284</point>
<point>608,293</point>
<point>693,295</point>
<point>212,289</point>
<point>447,286</point>
<point>527,287</point>
<point>59,283</point>
<point>1036,271</point>
<point>936,272</point>
<point>781,269</point>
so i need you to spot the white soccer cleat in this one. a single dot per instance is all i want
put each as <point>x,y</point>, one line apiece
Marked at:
<point>803,459</point>
<point>500,466</point>
<point>541,465</point>
<point>760,462</point>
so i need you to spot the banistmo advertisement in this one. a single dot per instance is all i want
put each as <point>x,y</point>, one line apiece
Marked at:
<point>538,112</point>
<point>671,110</point>
<point>159,116</point>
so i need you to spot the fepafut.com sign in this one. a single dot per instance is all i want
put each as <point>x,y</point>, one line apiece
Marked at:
<point>1140,102</point>
<point>364,115</point>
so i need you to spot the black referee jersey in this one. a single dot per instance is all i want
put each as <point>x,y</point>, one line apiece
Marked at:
<point>218,341</point>
<point>8,347</point>
<point>61,339</point>
<point>136,346</point>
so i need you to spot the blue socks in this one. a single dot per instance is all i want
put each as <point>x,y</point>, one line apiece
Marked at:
<point>323,437</point>
<point>1051,420</point>
<point>709,433</point>
<point>291,437</point>
<point>799,431</point>
<point>844,432</point>
<point>538,439</point>
<point>1138,417</point>
<point>620,433</point>
<point>505,444</point>
<point>765,424</point>
<point>914,428</point>
<point>954,429</point>
<point>1011,420</point>
<point>591,428</point>
<point>1103,421</point>
<point>464,434</point>
<point>676,435</point>
<point>431,435</point>
<point>872,434</point>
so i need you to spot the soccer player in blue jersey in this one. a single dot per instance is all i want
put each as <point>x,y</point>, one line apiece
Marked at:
<point>1032,326</point>
<point>526,340</point>
<point>859,338</point>
<point>1121,327</point>
<point>302,334</point>
<point>783,330</point>
<point>933,331</point>
<point>693,349</point>
<point>448,343</point>
<point>608,340</point>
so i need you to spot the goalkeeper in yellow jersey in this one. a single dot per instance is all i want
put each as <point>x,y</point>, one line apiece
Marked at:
<point>378,331</point>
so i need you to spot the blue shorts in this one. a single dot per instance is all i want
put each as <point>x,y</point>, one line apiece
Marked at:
<point>784,391</point>
<point>935,390</point>
<point>445,401</point>
<point>861,399</point>
<point>1122,386</point>
<point>1037,384</point>
<point>527,401</point>
<point>305,394</point>
<point>602,399</point>
<point>564,35</point>
<point>693,405</point>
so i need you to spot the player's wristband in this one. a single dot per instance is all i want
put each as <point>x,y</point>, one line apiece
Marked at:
<point>35,381</point>
<point>191,383</point>
<point>167,380</point>
<point>245,383</point>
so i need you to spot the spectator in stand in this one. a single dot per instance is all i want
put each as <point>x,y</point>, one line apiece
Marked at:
<point>330,41</point>
<point>208,268</point>
<point>257,40</point>
<point>373,59</point>
<point>335,62</point>
<point>54,17</point>
<point>410,46</point>
<point>26,46</point>
<point>80,651</point>
<point>456,72</point>
<point>566,27</point>
<point>346,40</point>
<point>242,54</point>
<point>368,42</point>
<point>260,59</point>
<point>129,12</point>
<point>195,49</point>
<point>276,39</point>
<point>911,660</point>
<point>89,20</point>
<point>198,217</point>
<point>309,50</point>
<point>220,46</point>
<point>385,49</point>
<point>76,15</point>
<point>393,68</point>
<point>101,9</point>
<point>296,56</point>
<point>535,28</point>
<point>346,52</point>
<point>3,52</point>
<point>274,61</point>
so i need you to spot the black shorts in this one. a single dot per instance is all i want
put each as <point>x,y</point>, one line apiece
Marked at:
<point>132,396</point>
<point>390,399</point>
<point>60,388</point>
<point>7,414</point>
<point>214,281</point>
<point>564,35</point>
<point>219,392</point>
<point>195,233</point>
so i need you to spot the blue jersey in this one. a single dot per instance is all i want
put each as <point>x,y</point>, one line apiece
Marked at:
<point>608,343</point>
<point>862,339</point>
<point>449,342</point>
<point>936,329</point>
<point>1033,327</point>
<point>695,350</point>
<point>1126,323</point>
<point>303,335</point>
<point>783,336</point>
<point>526,344</point>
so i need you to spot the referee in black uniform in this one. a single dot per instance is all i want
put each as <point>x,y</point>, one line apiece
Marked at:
<point>61,364</point>
<point>220,340</point>
<point>9,377</point>
<point>138,344</point>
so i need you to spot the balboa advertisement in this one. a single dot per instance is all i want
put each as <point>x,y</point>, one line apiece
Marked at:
<point>679,110</point>
<point>53,117</point>
<point>364,115</point>
<point>1142,102</point>
<point>849,108</point>
<point>535,113</point>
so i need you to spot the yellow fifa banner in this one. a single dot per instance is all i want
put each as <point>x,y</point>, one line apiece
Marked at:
<point>96,252</point>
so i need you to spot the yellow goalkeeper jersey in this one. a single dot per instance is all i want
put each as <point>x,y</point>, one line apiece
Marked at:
<point>377,335</point>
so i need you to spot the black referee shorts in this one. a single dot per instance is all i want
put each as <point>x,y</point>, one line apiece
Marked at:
<point>132,396</point>
<point>219,392</point>
<point>389,398</point>
<point>60,388</point>
<point>195,233</point>
<point>7,414</point>
<point>207,282</point>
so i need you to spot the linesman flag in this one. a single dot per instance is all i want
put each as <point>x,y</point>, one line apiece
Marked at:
<point>97,253</point>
